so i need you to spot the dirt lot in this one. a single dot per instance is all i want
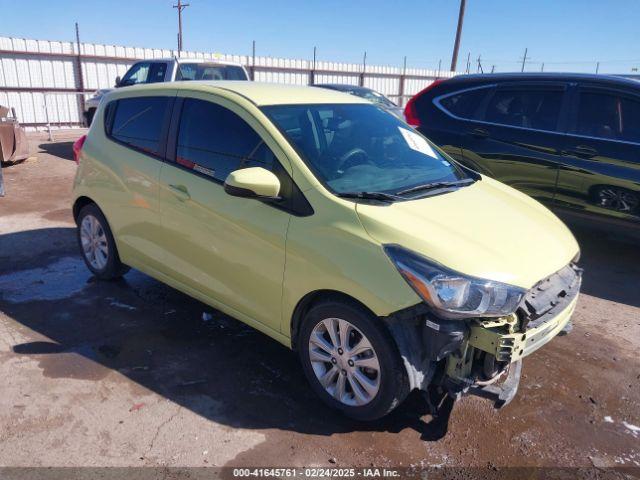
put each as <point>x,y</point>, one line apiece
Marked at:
<point>129,373</point>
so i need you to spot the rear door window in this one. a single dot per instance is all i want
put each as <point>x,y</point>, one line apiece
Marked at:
<point>608,115</point>
<point>215,141</point>
<point>465,104</point>
<point>138,122</point>
<point>536,108</point>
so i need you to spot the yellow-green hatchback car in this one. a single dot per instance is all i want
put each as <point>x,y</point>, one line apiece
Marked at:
<point>331,226</point>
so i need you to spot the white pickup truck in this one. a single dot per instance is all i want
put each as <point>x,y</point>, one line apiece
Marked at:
<point>169,70</point>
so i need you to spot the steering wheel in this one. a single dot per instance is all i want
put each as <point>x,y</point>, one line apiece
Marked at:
<point>355,156</point>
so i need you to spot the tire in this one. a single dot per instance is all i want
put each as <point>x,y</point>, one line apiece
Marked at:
<point>390,377</point>
<point>100,254</point>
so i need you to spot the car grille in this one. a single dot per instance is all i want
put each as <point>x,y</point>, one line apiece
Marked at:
<point>550,296</point>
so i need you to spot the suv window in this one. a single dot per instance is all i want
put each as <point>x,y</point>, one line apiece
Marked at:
<point>534,107</point>
<point>136,74</point>
<point>215,141</point>
<point>138,122</point>
<point>465,104</point>
<point>608,115</point>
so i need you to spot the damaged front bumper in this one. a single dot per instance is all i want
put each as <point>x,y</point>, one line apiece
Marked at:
<point>494,338</point>
<point>484,356</point>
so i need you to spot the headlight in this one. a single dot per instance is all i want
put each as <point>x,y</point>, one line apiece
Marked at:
<point>453,294</point>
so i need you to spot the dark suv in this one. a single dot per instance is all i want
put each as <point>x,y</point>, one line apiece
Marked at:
<point>571,141</point>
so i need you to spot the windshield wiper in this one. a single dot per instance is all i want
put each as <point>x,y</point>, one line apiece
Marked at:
<point>434,185</point>
<point>386,197</point>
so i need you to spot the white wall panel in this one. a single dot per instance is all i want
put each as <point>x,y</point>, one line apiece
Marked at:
<point>42,69</point>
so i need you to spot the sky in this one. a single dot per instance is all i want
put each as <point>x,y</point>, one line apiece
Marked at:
<point>565,35</point>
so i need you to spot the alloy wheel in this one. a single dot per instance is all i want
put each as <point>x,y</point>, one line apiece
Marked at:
<point>344,362</point>
<point>617,199</point>
<point>94,242</point>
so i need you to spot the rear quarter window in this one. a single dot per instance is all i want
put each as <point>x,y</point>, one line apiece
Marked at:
<point>138,122</point>
<point>464,104</point>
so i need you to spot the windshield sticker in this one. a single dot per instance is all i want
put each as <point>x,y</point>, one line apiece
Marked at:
<point>417,143</point>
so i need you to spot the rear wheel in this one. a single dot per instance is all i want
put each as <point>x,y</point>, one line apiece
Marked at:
<point>351,361</point>
<point>97,245</point>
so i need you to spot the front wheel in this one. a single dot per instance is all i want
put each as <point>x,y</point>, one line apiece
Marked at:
<point>351,361</point>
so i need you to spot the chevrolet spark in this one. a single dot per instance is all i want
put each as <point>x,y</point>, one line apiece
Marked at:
<point>331,226</point>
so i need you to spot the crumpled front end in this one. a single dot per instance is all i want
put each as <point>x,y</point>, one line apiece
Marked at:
<point>483,356</point>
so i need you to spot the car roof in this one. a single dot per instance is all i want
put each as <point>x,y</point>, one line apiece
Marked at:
<point>543,76</point>
<point>257,92</point>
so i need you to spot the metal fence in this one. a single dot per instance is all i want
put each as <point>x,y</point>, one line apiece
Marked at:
<point>31,71</point>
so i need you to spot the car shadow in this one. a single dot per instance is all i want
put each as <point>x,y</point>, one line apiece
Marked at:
<point>159,338</point>
<point>59,149</point>
<point>612,267</point>
<point>211,364</point>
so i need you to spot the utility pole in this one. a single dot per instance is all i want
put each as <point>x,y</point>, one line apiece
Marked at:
<point>180,6</point>
<point>597,67</point>
<point>312,73</point>
<point>253,61</point>
<point>456,45</point>
<point>403,76</point>
<point>80,76</point>
<point>542,67</point>
<point>524,59</point>
<point>479,69</point>
<point>364,69</point>
<point>468,62</point>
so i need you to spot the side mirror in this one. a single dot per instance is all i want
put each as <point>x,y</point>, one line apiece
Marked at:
<point>253,182</point>
<point>118,80</point>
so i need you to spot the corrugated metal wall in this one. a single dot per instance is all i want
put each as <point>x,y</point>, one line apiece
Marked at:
<point>35,72</point>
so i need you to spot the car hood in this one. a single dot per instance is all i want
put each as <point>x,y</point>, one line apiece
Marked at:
<point>486,230</point>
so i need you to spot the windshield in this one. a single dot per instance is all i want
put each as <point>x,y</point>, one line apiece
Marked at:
<point>209,71</point>
<point>362,148</point>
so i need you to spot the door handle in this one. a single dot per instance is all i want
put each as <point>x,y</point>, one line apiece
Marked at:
<point>581,151</point>
<point>181,192</point>
<point>479,132</point>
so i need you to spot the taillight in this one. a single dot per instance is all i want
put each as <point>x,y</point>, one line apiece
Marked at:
<point>77,146</point>
<point>410,110</point>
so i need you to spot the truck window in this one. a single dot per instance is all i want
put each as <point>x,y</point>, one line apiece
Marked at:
<point>138,73</point>
<point>209,71</point>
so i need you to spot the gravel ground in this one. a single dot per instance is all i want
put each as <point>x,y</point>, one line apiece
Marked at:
<point>130,374</point>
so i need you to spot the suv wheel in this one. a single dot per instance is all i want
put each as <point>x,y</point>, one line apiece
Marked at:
<point>97,245</point>
<point>351,361</point>
<point>619,199</point>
